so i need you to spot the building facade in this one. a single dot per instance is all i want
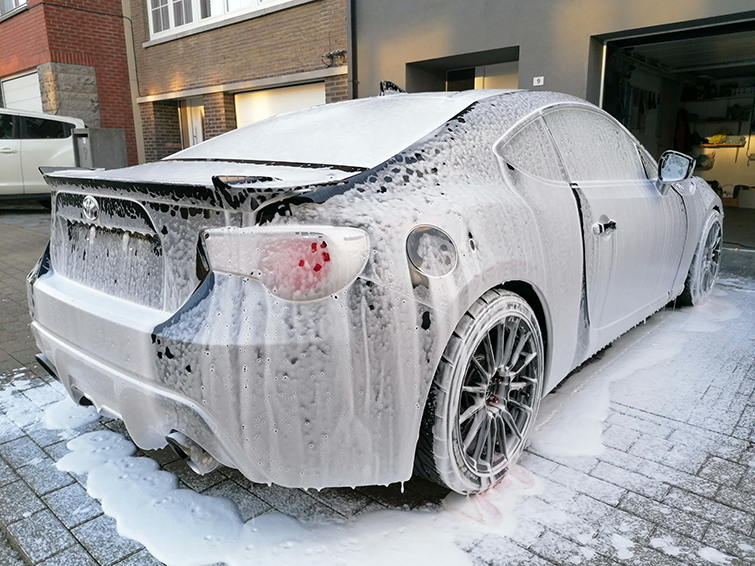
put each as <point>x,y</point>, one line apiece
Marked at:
<point>68,58</point>
<point>676,74</point>
<point>208,66</point>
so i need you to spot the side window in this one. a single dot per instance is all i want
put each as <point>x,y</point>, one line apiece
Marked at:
<point>594,147</point>
<point>41,128</point>
<point>6,127</point>
<point>531,150</point>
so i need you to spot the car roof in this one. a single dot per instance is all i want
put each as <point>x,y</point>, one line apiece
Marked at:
<point>77,121</point>
<point>355,133</point>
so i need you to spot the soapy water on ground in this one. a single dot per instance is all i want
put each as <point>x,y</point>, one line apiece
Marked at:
<point>181,527</point>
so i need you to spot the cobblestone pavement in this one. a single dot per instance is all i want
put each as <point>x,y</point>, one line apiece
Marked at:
<point>677,476</point>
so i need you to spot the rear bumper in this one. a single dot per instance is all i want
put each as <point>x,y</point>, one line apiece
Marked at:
<point>299,394</point>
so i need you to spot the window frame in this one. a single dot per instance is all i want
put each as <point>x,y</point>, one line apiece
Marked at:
<point>197,20</point>
<point>17,5</point>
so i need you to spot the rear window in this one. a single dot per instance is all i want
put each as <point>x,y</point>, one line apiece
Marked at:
<point>356,133</point>
<point>6,127</point>
<point>41,128</point>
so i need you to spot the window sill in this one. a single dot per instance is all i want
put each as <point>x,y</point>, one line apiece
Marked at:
<point>225,22</point>
<point>14,12</point>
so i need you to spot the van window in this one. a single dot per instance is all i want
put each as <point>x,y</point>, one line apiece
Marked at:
<point>6,127</point>
<point>40,128</point>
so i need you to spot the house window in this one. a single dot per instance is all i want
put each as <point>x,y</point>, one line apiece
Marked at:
<point>10,5</point>
<point>173,16</point>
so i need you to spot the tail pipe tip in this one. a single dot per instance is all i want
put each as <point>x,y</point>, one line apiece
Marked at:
<point>196,457</point>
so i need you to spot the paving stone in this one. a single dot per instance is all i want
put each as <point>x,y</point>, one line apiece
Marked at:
<point>162,456</point>
<point>537,464</point>
<point>558,520</point>
<point>710,510</point>
<point>6,474</point>
<point>192,479</point>
<point>44,396</point>
<point>249,505</point>
<point>632,481</point>
<point>611,520</point>
<point>722,471</point>
<point>346,501</point>
<point>686,549</point>
<point>583,483</point>
<point>43,476</point>
<point>619,437</point>
<point>41,535</point>
<point>651,448</point>
<point>8,555</point>
<point>644,425</point>
<point>669,517</point>
<point>9,430</point>
<point>498,551</point>
<point>392,497</point>
<point>72,556</point>
<point>102,541</point>
<point>21,452</point>
<point>58,450</point>
<point>678,478</point>
<point>72,505</point>
<point>141,558</point>
<point>560,550</point>
<point>731,542</point>
<point>18,501</point>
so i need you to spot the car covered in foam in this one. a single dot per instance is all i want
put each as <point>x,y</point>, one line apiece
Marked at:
<point>346,294</point>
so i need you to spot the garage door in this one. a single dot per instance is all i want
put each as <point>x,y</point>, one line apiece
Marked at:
<point>22,93</point>
<point>255,106</point>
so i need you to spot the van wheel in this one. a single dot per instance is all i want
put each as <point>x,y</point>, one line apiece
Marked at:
<point>485,395</point>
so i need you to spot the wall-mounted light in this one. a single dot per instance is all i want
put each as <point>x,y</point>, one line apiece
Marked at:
<point>337,58</point>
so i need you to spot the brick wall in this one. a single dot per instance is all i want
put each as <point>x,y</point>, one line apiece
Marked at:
<point>337,88</point>
<point>219,114</point>
<point>17,56</point>
<point>87,33</point>
<point>288,41</point>
<point>162,130</point>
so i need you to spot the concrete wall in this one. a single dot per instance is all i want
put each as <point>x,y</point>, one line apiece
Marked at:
<point>70,90</point>
<point>553,36</point>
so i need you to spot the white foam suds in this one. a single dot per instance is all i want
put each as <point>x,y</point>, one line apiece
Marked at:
<point>184,528</point>
<point>713,555</point>
<point>66,415</point>
<point>622,546</point>
<point>665,545</point>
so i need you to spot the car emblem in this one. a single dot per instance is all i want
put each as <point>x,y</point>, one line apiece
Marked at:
<point>90,208</point>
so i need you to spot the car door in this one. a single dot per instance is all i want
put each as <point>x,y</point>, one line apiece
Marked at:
<point>44,142</point>
<point>623,218</point>
<point>11,176</point>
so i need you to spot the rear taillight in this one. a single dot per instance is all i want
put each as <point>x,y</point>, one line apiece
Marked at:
<point>294,263</point>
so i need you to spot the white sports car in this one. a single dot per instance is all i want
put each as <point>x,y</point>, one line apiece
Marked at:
<point>344,294</point>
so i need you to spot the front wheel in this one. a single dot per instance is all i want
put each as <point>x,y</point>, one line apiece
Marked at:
<point>485,396</point>
<point>705,263</point>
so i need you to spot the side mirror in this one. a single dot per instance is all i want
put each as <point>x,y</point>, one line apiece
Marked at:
<point>674,167</point>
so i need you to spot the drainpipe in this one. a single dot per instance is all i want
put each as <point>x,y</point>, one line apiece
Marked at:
<point>128,32</point>
<point>351,48</point>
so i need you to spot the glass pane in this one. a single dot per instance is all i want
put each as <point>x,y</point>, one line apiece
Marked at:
<point>181,12</point>
<point>210,8</point>
<point>531,150</point>
<point>160,18</point>
<point>594,147</point>
<point>233,5</point>
<point>6,127</point>
<point>39,128</point>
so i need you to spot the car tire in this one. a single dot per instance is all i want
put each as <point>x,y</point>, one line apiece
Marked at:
<point>705,263</point>
<point>485,395</point>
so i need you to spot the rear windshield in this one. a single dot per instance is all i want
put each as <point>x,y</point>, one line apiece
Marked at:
<point>356,133</point>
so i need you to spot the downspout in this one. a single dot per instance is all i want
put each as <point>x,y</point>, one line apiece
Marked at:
<point>133,79</point>
<point>351,49</point>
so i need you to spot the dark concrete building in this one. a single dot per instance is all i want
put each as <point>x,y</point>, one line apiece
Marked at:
<point>675,73</point>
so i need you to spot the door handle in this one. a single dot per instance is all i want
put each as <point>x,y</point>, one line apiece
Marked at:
<point>8,150</point>
<point>603,227</point>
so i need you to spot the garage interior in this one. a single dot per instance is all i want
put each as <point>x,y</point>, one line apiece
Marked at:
<point>692,90</point>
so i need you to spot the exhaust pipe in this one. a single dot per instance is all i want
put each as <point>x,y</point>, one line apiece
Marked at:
<point>196,457</point>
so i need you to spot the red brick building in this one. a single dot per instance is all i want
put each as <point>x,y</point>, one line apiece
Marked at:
<point>208,66</point>
<point>68,58</point>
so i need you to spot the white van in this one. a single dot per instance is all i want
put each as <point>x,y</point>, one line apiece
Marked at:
<point>29,141</point>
